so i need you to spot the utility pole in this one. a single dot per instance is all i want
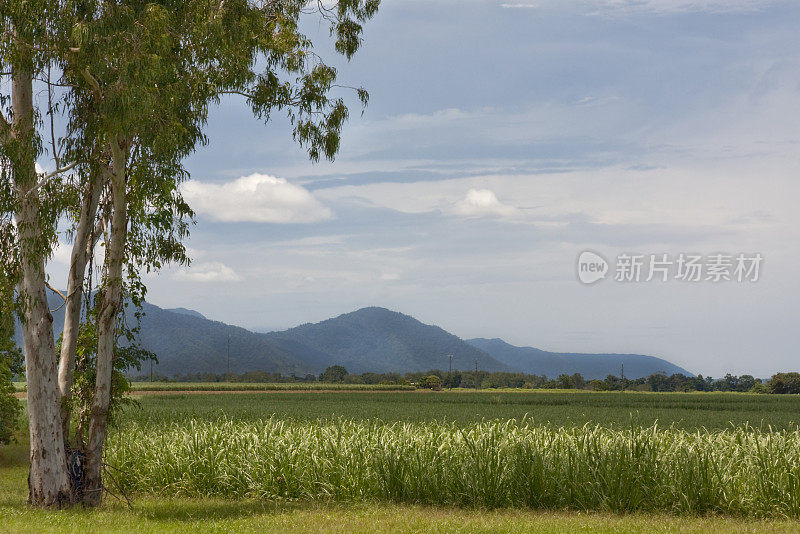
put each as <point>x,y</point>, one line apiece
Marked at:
<point>622,378</point>
<point>477,383</point>
<point>151,369</point>
<point>229,358</point>
<point>450,374</point>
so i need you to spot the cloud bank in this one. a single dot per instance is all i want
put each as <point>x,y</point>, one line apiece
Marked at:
<point>259,198</point>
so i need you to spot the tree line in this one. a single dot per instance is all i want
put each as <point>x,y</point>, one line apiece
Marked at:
<point>780,383</point>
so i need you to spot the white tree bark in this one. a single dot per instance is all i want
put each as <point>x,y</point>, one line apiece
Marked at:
<point>81,251</point>
<point>48,484</point>
<point>109,308</point>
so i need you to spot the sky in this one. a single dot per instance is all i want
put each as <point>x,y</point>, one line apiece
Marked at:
<point>501,140</point>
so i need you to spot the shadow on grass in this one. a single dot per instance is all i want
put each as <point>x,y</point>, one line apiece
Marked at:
<point>16,454</point>
<point>184,510</point>
<point>14,494</point>
<point>14,461</point>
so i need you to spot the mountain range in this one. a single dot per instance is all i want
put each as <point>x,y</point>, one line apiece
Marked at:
<point>590,366</point>
<point>367,340</point>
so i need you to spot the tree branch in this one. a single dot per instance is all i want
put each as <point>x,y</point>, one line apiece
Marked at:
<point>98,94</point>
<point>53,84</point>
<point>234,92</point>
<point>59,171</point>
<point>99,230</point>
<point>46,178</point>
<point>52,120</point>
<point>59,293</point>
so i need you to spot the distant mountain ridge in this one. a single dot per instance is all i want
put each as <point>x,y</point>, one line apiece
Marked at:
<point>381,341</point>
<point>539,362</point>
<point>367,340</point>
<point>186,311</point>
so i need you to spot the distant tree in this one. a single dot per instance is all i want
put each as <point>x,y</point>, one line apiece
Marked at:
<point>431,382</point>
<point>335,374</point>
<point>598,385</point>
<point>727,383</point>
<point>578,382</point>
<point>468,380</point>
<point>784,383</point>
<point>452,380</point>
<point>565,382</point>
<point>747,383</point>
<point>659,382</point>
<point>614,383</point>
<point>354,379</point>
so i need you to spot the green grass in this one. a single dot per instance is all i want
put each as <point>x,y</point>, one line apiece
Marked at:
<point>260,386</point>
<point>308,427</point>
<point>495,464</point>
<point>590,451</point>
<point>689,411</point>
<point>209,515</point>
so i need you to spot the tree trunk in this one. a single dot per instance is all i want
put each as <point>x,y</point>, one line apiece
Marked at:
<point>81,249</point>
<point>48,484</point>
<point>106,323</point>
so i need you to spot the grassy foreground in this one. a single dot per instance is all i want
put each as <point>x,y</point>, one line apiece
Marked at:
<point>198,516</point>
<point>494,464</point>
<point>171,508</point>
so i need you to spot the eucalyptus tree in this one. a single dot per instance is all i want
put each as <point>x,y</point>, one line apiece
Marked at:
<point>140,77</point>
<point>30,203</point>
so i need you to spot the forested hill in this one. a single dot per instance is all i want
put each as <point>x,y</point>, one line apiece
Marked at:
<point>590,366</point>
<point>367,340</point>
<point>380,340</point>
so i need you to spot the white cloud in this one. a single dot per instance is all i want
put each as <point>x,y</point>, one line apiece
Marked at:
<point>680,6</point>
<point>62,253</point>
<point>255,198</point>
<point>519,6</point>
<point>208,272</point>
<point>482,203</point>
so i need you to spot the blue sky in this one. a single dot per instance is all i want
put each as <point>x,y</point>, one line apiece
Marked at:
<point>501,140</point>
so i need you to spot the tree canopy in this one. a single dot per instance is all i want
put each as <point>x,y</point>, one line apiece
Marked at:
<point>133,82</point>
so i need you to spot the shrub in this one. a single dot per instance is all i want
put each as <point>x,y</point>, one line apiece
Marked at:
<point>10,407</point>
